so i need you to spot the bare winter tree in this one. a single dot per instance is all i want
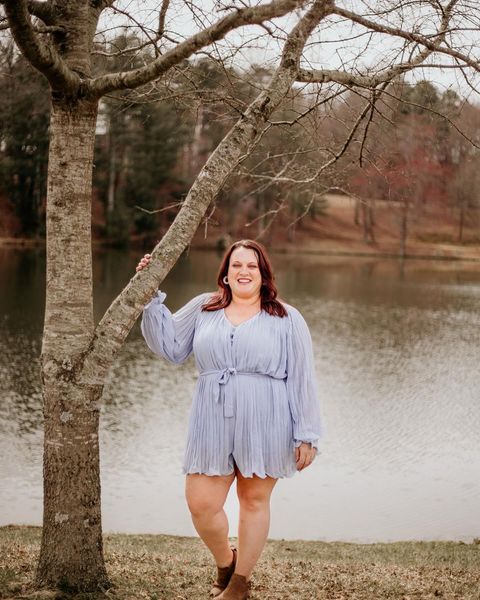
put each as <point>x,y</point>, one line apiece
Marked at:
<point>58,38</point>
<point>349,103</point>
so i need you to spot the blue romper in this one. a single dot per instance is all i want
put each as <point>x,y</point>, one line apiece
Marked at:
<point>255,398</point>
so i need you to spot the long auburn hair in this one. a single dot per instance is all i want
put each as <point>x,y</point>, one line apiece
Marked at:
<point>268,289</point>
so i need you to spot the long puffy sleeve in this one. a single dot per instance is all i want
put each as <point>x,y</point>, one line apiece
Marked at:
<point>171,335</point>
<point>301,383</point>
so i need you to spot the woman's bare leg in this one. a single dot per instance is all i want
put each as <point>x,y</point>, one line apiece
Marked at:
<point>206,495</point>
<point>254,496</point>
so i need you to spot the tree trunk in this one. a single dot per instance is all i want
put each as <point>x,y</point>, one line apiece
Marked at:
<point>71,553</point>
<point>461,223</point>
<point>261,214</point>
<point>195,158</point>
<point>368,221</point>
<point>403,229</point>
<point>356,214</point>
<point>112,174</point>
<point>291,232</point>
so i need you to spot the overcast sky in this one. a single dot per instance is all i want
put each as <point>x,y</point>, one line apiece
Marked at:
<point>335,45</point>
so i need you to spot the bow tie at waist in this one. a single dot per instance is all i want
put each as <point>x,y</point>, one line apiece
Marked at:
<point>223,378</point>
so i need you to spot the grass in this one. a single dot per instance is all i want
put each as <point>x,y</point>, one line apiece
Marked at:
<point>159,567</point>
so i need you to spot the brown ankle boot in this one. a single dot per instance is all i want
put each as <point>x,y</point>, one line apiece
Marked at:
<point>223,576</point>
<point>238,588</point>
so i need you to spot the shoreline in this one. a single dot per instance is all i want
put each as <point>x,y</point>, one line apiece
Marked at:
<point>466,541</point>
<point>167,567</point>
<point>327,248</point>
<point>472,540</point>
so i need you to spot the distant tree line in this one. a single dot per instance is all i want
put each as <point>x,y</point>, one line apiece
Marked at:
<point>417,148</point>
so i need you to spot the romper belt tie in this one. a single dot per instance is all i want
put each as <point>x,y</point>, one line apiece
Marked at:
<point>223,378</point>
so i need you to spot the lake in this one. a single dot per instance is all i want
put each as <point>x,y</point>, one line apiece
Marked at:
<point>397,358</point>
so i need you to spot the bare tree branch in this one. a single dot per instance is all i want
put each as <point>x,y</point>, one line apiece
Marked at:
<point>274,212</point>
<point>410,36</point>
<point>281,179</point>
<point>39,52</point>
<point>154,70</point>
<point>375,96</point>
<point>372,81</point>
<point>152,39</point>
<point>442,115</point>
<point>42,10</point>
<point>161,18</point>
<point>119,318</point>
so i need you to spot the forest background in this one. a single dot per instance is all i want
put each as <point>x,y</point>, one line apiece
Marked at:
<point>407,184</point>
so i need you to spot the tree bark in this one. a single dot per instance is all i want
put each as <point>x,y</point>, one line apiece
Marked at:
<point>368,221</point>
<point>461,224</point>
<point>71,553</point>
<point>403,229</point>
<point>356,214</point>
<point>112,174</point>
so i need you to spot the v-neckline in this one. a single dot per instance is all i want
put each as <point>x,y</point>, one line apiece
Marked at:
<point>246,320</point>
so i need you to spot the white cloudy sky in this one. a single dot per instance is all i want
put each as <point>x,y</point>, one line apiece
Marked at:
<point>336,44</point>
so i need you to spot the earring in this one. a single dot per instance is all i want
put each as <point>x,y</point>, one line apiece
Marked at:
<point>225,280</point>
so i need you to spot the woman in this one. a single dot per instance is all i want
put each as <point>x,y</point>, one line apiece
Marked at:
<point>255,415</point>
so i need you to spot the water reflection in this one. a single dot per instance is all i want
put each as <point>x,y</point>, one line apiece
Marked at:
<point>397,358</point>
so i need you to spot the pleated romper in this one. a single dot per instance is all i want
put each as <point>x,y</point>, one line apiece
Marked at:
<point>255,398</point>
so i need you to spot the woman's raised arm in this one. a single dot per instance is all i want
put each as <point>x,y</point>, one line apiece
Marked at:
<point>171,335</point>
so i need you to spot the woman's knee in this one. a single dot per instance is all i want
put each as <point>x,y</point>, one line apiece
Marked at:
<point>254,495</point>
<point>205,496</point>
<point>253,502</point>
<point>202,507</point>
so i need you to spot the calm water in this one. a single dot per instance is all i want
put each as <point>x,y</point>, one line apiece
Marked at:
<point>397,355</point>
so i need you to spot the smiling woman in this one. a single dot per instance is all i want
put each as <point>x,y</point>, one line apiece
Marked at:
<point>245,280</point>
<point>255,414</point>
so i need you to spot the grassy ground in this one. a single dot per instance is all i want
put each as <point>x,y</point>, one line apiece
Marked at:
<point>161,567</point>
